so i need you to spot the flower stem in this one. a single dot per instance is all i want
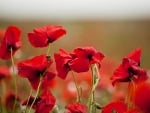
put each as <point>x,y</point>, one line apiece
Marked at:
<point>77,87</point>
<point>36,95</point>
<point>48,51</point>
<point>95,81</point>
<point>131,88</point>
<point>55,109</point>
<point>15,80</point>
<point>28,100</point>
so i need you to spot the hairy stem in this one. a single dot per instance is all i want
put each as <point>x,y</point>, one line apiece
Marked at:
<point>48,51</point>
<point>130,95</point>
<point>36,95</point>
<point>77,87</point>
<point>28,101</point>
<point>95,81</point>
<point>14,76</point>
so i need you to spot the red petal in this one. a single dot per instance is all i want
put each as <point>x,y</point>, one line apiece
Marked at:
<point>62,65</point>
<point>11,39</point>
<point>44,35</point>
<point>46,103</point>
<point>133,111</point>
<point>48,81</point>
<point>120,75</point>
<point>38,40</point>
<point>34,81</point>
<point>142,97</point>
<point>135,55</point>
<point>4,72</point>
<point>98,57</point>
<point>55,32</point>
<point>12,36</point>
<point>76,108</point>
<point>118,106</point>
<point>79,65</point>
<point>4,52</point>
<point>89,53</point>
<point>32,68</point>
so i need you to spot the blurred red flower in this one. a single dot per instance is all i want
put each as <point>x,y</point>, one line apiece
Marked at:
<point>133,111</point>
<point>142,97</point>
<point>85,56</point>
<point>10,41</point>
<point>2,32</point>
<point>34,68</point>
<point>78,61</point>
<point>130,69</point>
<point>76,108</point>
<point>62,60</point>
<point>41,37</point>
<point>49,81</point>
<point>116,106</point>
<point>4,72</point>
<point>46,102</point>
<point>10,100</point>
<point>43,104</point>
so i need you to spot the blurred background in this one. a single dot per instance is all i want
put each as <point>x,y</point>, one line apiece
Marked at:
<point>112,27</point>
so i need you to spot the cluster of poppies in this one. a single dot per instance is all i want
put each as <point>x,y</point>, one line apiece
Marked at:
<point>39,71</point>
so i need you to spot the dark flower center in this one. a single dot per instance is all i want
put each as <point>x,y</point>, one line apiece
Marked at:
<point>90,57</point>
<point>131,71</point>
<point>50,40</point>
<point>9,47</point>
<point>67,66</point>
<point>41,73</point>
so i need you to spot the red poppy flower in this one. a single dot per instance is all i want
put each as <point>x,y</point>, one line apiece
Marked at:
<point>62,60</point>
<point>78,61</point>
<point>133,111</point>
<point>34,68</point>
<point>76,108</point>
<point>85,56</point>
<point>1,34</point>
<point>130,69</point>
<point>142,97</point>
<point>135,56</point>
<point>41,37</point>
<point>48,80</point>
<point>10,41</point>
<point>4,72</point>
<point>43,104</point>
<point>10,100</point>
<point>116,106</point>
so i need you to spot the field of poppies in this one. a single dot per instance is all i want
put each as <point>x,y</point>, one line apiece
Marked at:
<point>73,81</point>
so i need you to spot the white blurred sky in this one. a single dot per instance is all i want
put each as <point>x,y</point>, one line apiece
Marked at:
<point>74,9</point>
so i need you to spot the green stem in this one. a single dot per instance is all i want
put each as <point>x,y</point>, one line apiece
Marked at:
<point>28,101</point>
<point>77,87</point>
<point>130,95</point>
<point>55,109</point>
<point>36,95</point>
<point>48,51</point>
<point>15,80</point>
<point>95,81</point>
<point>92,92</point>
